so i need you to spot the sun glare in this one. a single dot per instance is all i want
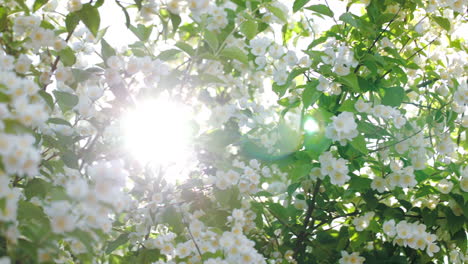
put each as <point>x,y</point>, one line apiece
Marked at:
<point>158,132</point>
<point>310,126</point>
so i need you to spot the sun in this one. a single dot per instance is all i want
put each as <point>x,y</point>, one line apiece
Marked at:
<point>158,131</point>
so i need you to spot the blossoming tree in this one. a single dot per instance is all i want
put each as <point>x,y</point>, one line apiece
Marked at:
<point>320,132</point>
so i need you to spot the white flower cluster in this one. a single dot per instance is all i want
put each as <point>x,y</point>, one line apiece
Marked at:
<point>381,111</point>
<point>279,61</point>
<point>19,155</point>
<point>38,37</point>
<point>330,166</point>
<point>362,222</point>
<point>343,128</point>
<point>247,181</point>
<point>11,196</point>
<point>352,258</point>
<point>400,177</point>
<point>327,86</point>
<point>340,57</point>
<point>237,248</point>
<point>411,235</point>
<point>95,202</point>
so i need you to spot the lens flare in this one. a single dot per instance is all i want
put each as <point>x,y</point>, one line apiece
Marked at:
<point>310,126</point>
<point>158,132</point>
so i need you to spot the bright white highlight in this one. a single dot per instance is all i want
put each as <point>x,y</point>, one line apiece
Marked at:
<point>158,132</point>
<point>310,126</point>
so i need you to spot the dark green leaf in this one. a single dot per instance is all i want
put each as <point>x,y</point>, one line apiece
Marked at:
<point>90,17</point>
<point>393,96</point>
<point>298,4</point>
<point>71,21</point>
<point>38,4</point>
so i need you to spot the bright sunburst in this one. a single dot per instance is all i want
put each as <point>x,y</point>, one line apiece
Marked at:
<point>158,131</point>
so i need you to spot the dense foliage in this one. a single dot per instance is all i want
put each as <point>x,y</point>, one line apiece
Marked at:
<point>318,136</point>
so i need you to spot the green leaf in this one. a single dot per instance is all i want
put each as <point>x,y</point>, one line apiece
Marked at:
<point>106,50</point>
<point>47,98</point>
<point>3,18</point>
<point>67,56</point>
<point>38,4</point>
<point>71,21</point>
<point>347,106</point>
<point>235,53</point>
<point>443,22</point>
<point>298,4</point>
<point>211,39</point>
<point>349,19</point>
<point>249,28</point>
<point>70,159</point>
<point>120,240</point>
<point>359,143</point>
<point>168,54</point>
<point>58,121</point>
<point>83,237</point>
<point>321,9</point>
<point>351,81</point>
<point>359,184</point>
<point>90,17</point>
<point>310,94</point>
<point>186,48</point>
<point>65,100</point>
<point>174,219</point>
<point>278,13</point>
<point>393,96</point>
<point>36,187</point>
<point>175,20</point>
<point>143,33</point>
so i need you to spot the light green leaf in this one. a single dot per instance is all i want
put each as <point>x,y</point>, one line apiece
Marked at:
<point>235,53</point>
<point>278,13</point>
<point>67,56</point>
<point>310,94</point>
<point>106,50</point>
<point>443,22</point>
<point>249,28</point>
<point>168,54</point>
<point>186,48</point>
<point>65,100</point>
<point>359,143</point>
<point>211,39</point>
<point>321,9</point>
<point>58,121</point>
<point>142,32</point>
<point>113,245</point>
<point>351,81</point>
